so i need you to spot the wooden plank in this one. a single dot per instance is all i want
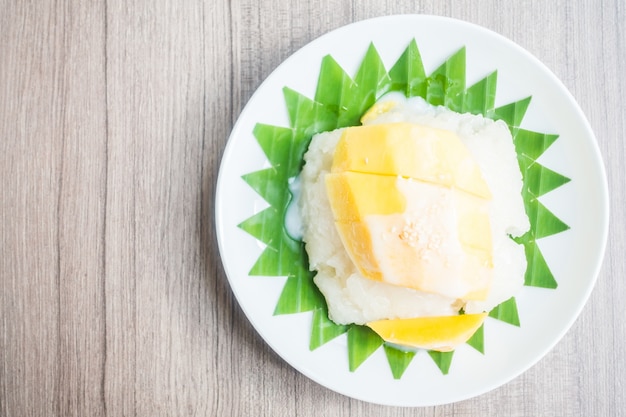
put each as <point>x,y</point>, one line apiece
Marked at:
<point>169,115</point>
<point>53,169</point>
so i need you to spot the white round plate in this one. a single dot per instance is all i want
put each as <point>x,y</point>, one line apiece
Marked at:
<point>574,256</point>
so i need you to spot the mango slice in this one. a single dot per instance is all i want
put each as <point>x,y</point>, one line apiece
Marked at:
<point>354,195</point>
<point>413,234</point>
<point>436,333</point>
<point>409,150</point>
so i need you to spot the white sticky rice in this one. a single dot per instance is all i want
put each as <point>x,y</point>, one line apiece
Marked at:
<point>352,298</point>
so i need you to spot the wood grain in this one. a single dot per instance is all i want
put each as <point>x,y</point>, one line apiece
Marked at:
<point>113,119</point>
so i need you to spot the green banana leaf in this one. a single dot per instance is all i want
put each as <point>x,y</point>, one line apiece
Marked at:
<point>340,101</point>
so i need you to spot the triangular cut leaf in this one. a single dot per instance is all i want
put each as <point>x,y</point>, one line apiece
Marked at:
<point>263,226</point>
<point>299,295</point>
<point>532,144</point>
<point>307,115</point>
<point>538,273</point>
<point>407,74</point>
<point>372,75</point>
<point>506,312</point>
<point>324,329</point>
<point>477,341</point>
<point>276,262</point>
<point>370,83</point>
<point>481,97</point>
<point>442,360</point>
<point>543,222</point>
<point>282,253</point>
<point>398,360</point>
<point>539,180</point>
<point>265,183</point>
<point>271,263</point>
<point>362,342</point>
<point>513,113</point>
<point>333,85</point>
<point>446,85</point>
<point>284,147</point>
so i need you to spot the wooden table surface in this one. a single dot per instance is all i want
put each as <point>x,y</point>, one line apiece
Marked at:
<point>113,119</point>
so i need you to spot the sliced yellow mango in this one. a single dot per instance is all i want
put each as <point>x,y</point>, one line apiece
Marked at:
<point>413,234</point>
<point>435,333</point>
<point>409,150</point>
<point>354,195</point>
<point>357,240</point>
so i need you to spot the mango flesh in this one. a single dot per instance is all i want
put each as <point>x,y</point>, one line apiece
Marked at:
<point>411,208</point>
<point>355,196</point>
<point>413,234</point>
<point>434,333</point>
<point>412,151</point>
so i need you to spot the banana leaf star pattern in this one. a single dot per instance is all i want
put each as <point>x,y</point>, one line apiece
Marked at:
<point>340,101</point>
